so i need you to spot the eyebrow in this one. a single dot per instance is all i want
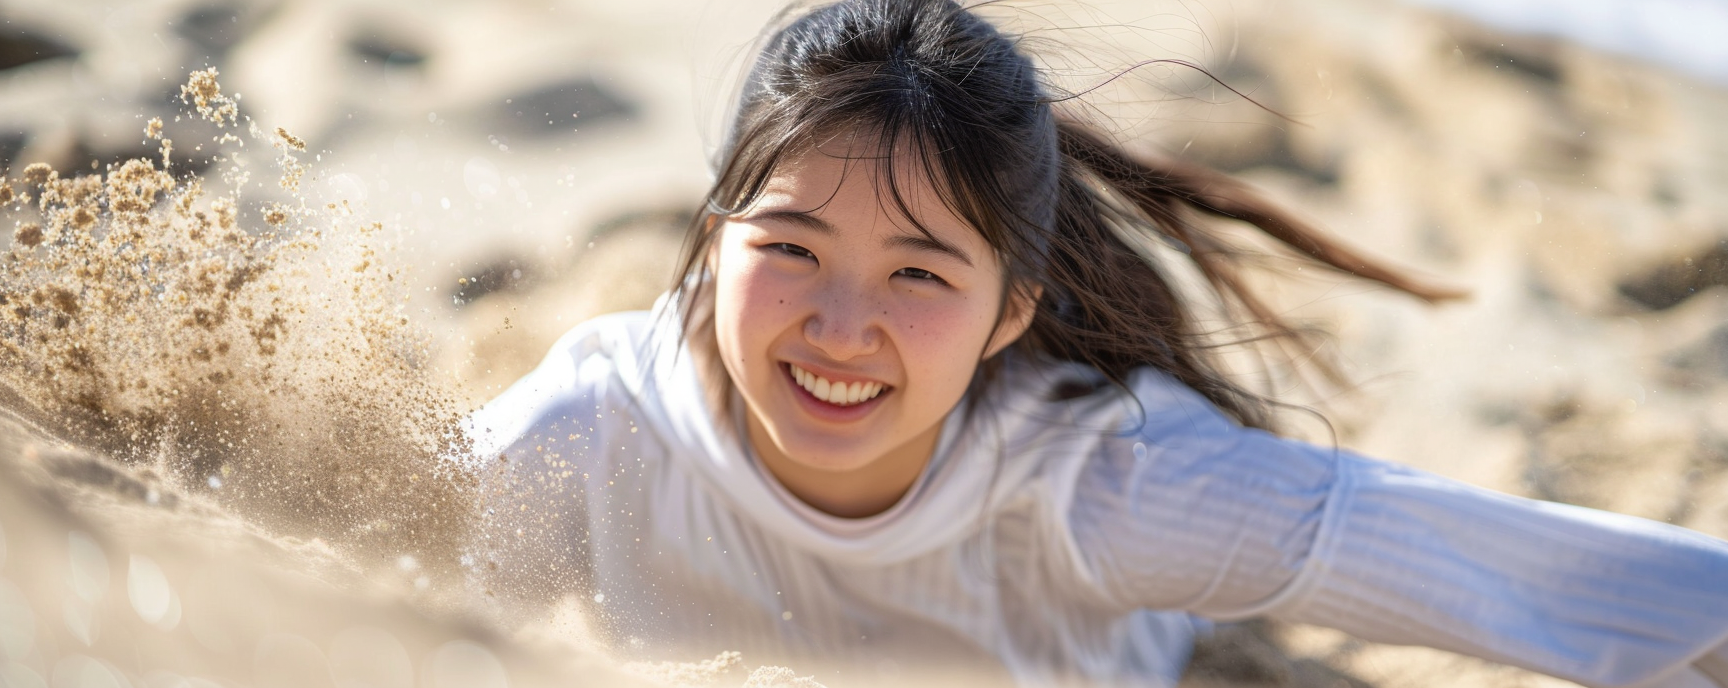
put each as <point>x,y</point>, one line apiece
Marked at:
<point>916,242</point>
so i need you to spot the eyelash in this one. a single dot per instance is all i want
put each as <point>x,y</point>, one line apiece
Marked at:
<point>793,250</point>
<point>926,274</point>
<point>801,252</point>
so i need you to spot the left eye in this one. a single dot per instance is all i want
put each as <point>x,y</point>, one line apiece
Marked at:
<point>918,273</point>
<point>792,250</point>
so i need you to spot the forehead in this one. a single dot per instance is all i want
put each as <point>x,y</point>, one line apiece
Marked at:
<point>853,176</point>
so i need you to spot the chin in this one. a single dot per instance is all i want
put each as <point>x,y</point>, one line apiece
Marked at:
<point>824,452</point>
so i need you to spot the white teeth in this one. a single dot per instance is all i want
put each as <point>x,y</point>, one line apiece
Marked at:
<point>837,393</point>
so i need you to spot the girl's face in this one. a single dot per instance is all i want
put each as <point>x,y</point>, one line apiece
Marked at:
<point>849,333</point>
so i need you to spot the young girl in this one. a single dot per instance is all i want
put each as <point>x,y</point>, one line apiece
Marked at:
<point>923,397</point>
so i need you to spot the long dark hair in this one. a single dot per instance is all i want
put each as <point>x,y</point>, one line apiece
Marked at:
<point>1069,212</point>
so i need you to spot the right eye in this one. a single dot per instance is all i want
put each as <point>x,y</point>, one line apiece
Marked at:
<point>792,250</point>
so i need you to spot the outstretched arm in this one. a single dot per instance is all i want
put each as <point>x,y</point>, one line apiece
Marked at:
<point>1192,512</point>
<point>1595,597</point>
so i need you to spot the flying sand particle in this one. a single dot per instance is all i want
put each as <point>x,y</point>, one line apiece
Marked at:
<point>292,140</point>
<point>28,235</point>
<point>38,174</point>
<point>205,93</point>
<point>275,214</point>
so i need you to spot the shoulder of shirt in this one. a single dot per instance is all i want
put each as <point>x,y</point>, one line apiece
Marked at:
<point>1167,406</point>
<point>624,334</point>
<point>1154,403</point>
<point>583,364</point>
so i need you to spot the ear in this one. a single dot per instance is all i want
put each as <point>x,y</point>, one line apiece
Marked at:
<point>1016,318</point>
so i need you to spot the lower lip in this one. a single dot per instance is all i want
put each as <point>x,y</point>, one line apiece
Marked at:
<point>832,413</point>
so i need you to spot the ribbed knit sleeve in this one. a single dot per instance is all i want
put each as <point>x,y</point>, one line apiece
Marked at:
<point>1217,524</point>
<point>1191,512</point>
<point>1594,597</point>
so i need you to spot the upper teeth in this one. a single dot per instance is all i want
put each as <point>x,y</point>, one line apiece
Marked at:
<point>839,393</point>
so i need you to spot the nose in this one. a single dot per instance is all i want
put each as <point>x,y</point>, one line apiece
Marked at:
<point>845,324</point>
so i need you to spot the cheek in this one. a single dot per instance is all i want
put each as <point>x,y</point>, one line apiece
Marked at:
<point>750,304</point>
<point>943,340</point>
<point>958,323</point>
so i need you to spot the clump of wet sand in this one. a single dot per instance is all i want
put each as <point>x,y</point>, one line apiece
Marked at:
<point>261,355</point>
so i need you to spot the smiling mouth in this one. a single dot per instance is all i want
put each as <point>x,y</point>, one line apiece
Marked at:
<point>836,393</point>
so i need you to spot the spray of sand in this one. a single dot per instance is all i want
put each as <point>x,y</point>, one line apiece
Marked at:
<point>259,354</point>
<point>252,360</point>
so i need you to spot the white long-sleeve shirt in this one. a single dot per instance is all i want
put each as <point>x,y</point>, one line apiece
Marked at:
<point>1055,541</point>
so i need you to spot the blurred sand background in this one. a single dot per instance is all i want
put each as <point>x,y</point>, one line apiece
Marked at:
<point>536,162</point>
